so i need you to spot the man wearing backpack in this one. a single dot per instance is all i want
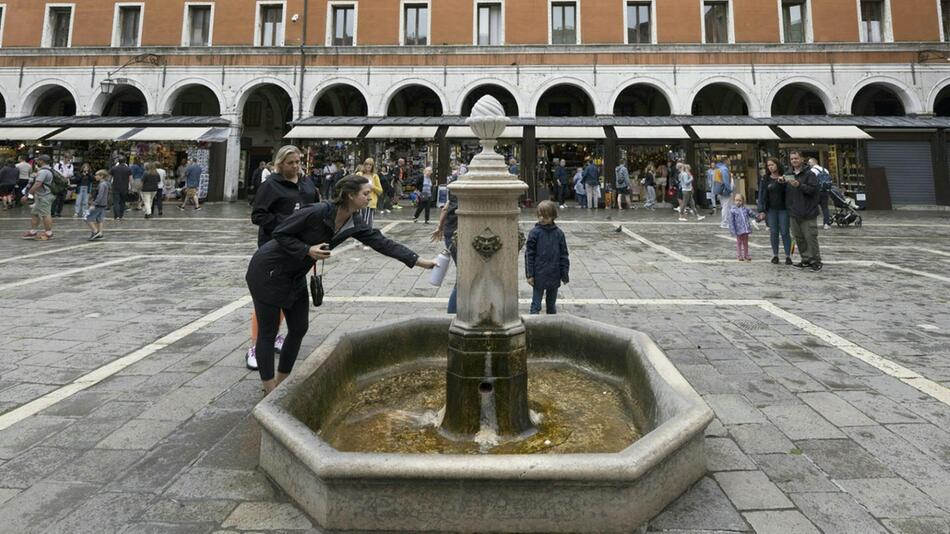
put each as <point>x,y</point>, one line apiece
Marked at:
<point>40,189</point>
<point>722,186</point>
<point>65,169</point>
<point>824,189</point>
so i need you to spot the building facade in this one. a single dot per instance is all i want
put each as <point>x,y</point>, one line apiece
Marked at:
<point>261,65</point>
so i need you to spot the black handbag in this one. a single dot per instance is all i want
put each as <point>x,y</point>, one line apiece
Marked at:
<point>316,286</point>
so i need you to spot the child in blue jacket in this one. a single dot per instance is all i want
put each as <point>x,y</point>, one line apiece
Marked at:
<point>546,260</point>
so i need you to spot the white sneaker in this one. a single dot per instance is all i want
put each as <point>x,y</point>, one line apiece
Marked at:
<point>825,227</point>
<point>700,217</point>
<point>683,219</point>
<point>278,343</point>
<point>250,359</point>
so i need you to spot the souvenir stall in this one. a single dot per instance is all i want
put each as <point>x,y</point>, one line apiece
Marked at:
<point>416,144</point>
<point>743,144</point>
<point>575,145</point>
<point>170,148</point>
<point>641,146</point>
<point>836,148</point>
<point>463,145</point>
<point>329,144</point>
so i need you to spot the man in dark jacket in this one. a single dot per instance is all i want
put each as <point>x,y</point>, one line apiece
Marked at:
<point>561,177</point>
<point>591,177</point>
<point>801,200</point>
<point>121,183</point>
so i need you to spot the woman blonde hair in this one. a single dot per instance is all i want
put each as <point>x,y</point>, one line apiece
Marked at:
<point>285,152</point>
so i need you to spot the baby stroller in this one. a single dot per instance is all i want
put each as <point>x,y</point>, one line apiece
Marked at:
<point>846,209</point>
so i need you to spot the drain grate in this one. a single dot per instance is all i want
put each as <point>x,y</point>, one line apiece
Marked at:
<point>751,325</point>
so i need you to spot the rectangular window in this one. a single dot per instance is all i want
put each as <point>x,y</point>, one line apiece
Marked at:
<point>563,23</point>
<point>716,21</point>
<point>793,21</point>
<point>3,11</point>
<point>945,16</point>
<point>872,21</point>
<point>129,19</point>
<point>60,20</point>
<point>199,26</point>
<point>271,25</point>
<point>638,23</point>
<point>417,24</point>
<point>344,18</point>
<point>489,24</point>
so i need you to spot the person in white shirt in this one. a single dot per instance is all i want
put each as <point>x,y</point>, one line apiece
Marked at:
<point>160,195</point>
<point>64,167</point>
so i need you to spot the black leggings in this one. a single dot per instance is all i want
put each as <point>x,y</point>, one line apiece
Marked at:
<point>423,205</point>
<point>268,322</point>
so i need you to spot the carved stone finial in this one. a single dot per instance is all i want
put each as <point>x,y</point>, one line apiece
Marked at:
<point>488,120</point>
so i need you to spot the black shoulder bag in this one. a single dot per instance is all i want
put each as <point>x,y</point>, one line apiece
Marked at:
<point>316,285</point>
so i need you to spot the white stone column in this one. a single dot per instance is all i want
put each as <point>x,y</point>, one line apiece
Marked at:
<point>232,161</point>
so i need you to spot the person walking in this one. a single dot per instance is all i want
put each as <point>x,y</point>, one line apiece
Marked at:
<point>711,187</point>
<point>723,186</point>
<point>561,179</point>
<point>85,183</point>
<point>8,178</point>
<point>25,170</point>
<point>448,225</point>
<point>402,173</point>
<point>592,184</point>
<point>824,189</point>
<point>580,191</point>
<point>41,193</point>
<point>801,200</point>
<point>771,206</point>
<point>276,274</point>
<point>64,167</point>
<point>121,182</point>
<point>150,181</point>
<point>424,188</point>
<point>138,174</point>
<point>546,259</point>
<point>622,182</point>
<point>686,187</point>
<point>97,205</point>
<point>278,198</point>
<point>369,172</point>
<point>649,182</point>
<point>159,201</point>
<point>193,174</point>
<point>740,227</point>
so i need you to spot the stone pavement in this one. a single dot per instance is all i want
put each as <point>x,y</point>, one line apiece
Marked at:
<point>830,388</point>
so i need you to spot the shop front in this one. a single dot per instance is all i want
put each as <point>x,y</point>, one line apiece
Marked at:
<point>100,141</point>
<point>746,147</point>
<point>656,147</point>
<point>326,145</point>
<point>837,148</point>
<point>575,145</point>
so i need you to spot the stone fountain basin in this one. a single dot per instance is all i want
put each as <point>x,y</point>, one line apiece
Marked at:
<point>455,492</point>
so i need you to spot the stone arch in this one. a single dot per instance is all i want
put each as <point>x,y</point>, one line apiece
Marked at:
<point>3,103</point>
<point>245,92</point>
<point>391,98</point>
<point>903,93</point>
<point>343,99</point>
<point>568,81</point>
<point>734,84</point>
<point>388,97</point>
<point>728,84</point>
<point>173,92</point>
<point>39,90</point>
<point>480,85</point>
<point>659,109</point>
<point>940,94</point>
<point>101,101</point>
<point>813,86</point>
<point>332,83</point>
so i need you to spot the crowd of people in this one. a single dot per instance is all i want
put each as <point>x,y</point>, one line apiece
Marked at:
<point>141,186</point>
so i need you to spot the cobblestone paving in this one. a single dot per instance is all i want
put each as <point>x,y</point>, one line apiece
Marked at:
<point>808,436</point>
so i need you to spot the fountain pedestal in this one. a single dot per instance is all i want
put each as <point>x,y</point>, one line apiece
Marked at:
<point>487,379</point>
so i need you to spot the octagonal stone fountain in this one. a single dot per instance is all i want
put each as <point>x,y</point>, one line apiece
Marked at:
<point>485,421</point>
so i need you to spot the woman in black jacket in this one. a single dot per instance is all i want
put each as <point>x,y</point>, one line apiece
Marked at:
<point>278,197</point>
<point>277,274</point>
<point>771,207</point>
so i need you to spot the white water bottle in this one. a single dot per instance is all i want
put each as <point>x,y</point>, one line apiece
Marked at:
<point>441,267</point>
